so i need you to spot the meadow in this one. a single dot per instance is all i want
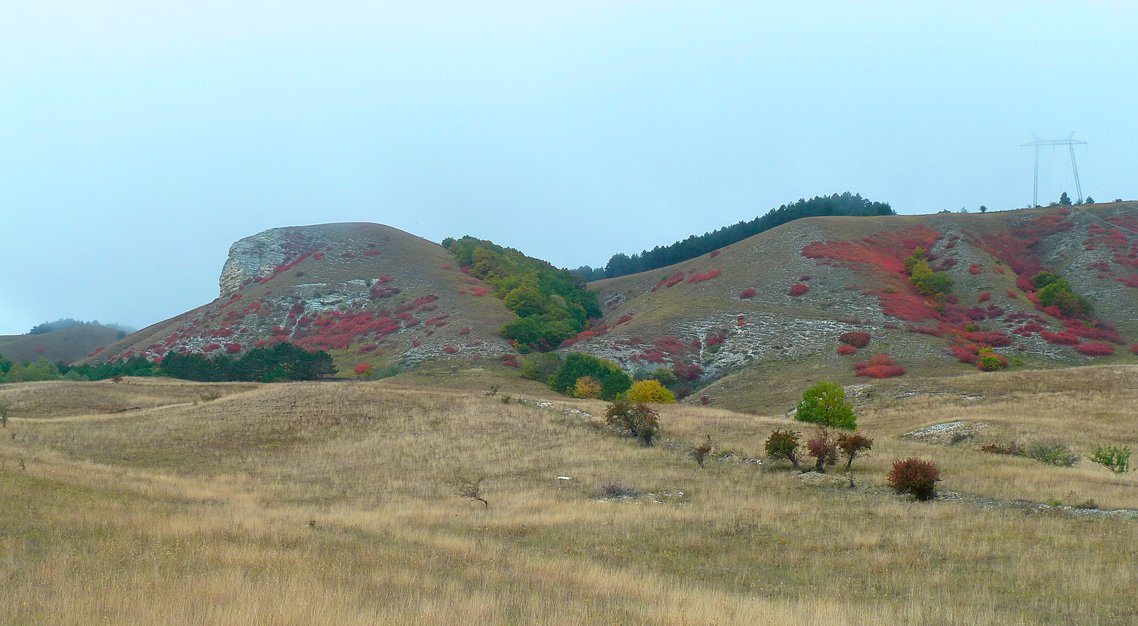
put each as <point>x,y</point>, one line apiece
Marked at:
<point>153,501</point>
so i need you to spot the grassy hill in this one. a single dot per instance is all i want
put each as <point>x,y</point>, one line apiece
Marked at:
<point>67,345</point>
<point>773,307</point>
<point>364,292</point>
<point>338,502</point>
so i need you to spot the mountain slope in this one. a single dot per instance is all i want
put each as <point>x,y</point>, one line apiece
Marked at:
<point>775,305</point>
<point>67,345</point>
<point>366,293</point>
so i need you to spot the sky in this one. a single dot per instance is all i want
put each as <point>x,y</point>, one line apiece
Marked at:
<point>140,139</point>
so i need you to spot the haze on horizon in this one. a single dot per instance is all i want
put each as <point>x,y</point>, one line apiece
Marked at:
<point>138,142</point>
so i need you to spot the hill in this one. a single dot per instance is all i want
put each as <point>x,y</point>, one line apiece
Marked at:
<point>66,345</point>
<point>368,294</point>
<point>776,305</point>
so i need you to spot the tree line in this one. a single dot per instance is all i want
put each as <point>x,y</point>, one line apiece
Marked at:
<point>844,204</point>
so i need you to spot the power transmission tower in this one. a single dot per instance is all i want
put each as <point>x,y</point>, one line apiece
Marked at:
<point>1070,143</point>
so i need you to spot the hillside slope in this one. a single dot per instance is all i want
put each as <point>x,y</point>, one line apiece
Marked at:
<point>67,345</point>
<point>775,305</point>
<point>364,292</point>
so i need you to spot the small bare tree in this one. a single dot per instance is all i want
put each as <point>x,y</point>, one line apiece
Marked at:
<point>472,488</point>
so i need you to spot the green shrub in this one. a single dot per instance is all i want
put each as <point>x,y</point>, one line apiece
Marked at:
<point>613,379</point>
<point>825,404</point>
<point>541,366</point>
<point>915,476</point>
<point>1052,453</point>
<point>1114,458</point>
<point>783,444</point>
<point>638,418</point>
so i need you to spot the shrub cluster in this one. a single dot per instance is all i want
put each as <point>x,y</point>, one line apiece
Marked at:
<point>1052,453</point>
<point>825,404</point>
<point>638,418</point>
<point>613,380</point>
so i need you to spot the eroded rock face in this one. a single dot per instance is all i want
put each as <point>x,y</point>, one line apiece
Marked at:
<point>257,256</point>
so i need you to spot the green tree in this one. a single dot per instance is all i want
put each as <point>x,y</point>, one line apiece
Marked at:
<point>613,379</point>
<point>825,404</point>
<point>1064,199</point>
<point>525,301</point>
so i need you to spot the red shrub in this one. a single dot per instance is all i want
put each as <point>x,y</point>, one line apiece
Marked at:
<point>366,348</point>
<point>1095,349</point>
<point>699,278</point>
<point>857,339</point>
<point>747,293</point>
<point>1133,348</point>
<point>962,354</point>
<point>885,251</point>
<point>210,347</point>
<point>1130,281</point>
<point>1061,338</point>
<point>915,476</point>
<point>846,350</point>
<point>669,281</point>
<point>1012,294</point>
<point>740,321</point>
<point>799,290</point>
<point>705,400</point>
<point>232,348</point>
<point>450,349</point>
<point>362,369</point>
<point>478,291</point>
<point>464,330</point>
<point>714,253</point>
<point>687,372</point>
<point>879,366</point>
<point>510,360</point>
<point>984,296</point>
<point>415,343</point>
<point>975,269</point>
<point>371,252</point>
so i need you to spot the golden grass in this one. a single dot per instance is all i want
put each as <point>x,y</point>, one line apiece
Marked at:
<point>336,503</point>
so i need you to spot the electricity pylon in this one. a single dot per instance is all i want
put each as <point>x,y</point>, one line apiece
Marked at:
<point>1070,143</point>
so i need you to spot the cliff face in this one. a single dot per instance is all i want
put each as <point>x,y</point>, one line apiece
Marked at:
<point>259,255</point>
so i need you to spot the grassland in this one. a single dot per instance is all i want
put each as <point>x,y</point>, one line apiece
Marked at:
<point>171,502</point>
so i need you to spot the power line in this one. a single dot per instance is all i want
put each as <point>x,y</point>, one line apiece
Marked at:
<point>1070,142</point>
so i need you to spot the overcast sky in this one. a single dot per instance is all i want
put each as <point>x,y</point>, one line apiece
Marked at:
<point>139,139</point>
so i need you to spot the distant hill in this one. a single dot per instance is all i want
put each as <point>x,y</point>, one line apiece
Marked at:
<point>71,342</point>
<point>813,299</point>
<point>775,305</point>
<point>366,293</point>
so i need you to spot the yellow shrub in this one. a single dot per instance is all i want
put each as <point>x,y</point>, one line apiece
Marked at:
<point>650,391</point>
<point>587,387</point>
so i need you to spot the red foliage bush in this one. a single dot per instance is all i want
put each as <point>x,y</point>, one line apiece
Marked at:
<point>885,251</point>
<point>362,369</point>
<point>367,347</point>
<point>371,252</point>
<point>1095,349</point>
<point>975,269</point>
<point>915,476</point>
<point>510,360</point>
<point>687,372</point>
<point>714,253</point>
<point>1130,281</point>
<point>879,366</point>
<point>465,330</point>
<point>740,321</point>
<point>747,293</point>
<point>1133,348</point>
<point>1063,338</point>
<point>962,354</point>
<point>984,296</point>
<point>669,281</point>
<point>846,350</point>
<point>450,350</point>
<point>232,348</point>
<point>907,305</point>
<point>857,339</point>
<point>624,319</point>
<point>705,400</point>
<point>478,291</point>
<point>1013,295</point>
<point>706,276</point>
<point>799,290</point>
<point>210,347</point>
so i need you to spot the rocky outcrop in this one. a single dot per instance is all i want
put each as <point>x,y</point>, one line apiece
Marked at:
<point>257,256</point>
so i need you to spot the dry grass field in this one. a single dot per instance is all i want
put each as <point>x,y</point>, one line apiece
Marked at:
<point>166,502</point>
